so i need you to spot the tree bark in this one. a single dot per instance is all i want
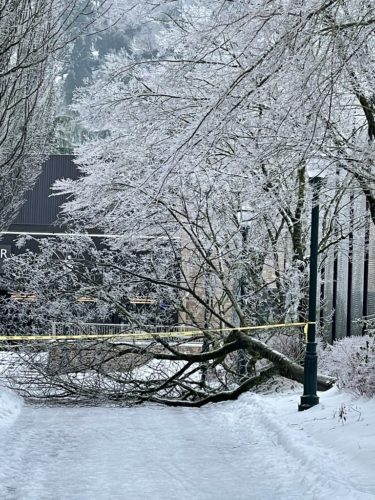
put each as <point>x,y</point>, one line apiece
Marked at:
<point>285,366</point>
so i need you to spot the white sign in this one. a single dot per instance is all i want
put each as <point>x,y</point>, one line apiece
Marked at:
<point>5,252</point>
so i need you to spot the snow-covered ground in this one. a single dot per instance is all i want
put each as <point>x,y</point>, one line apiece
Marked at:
<point>258,447</point>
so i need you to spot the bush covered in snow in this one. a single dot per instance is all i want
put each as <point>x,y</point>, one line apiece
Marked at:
<point>352,362</point>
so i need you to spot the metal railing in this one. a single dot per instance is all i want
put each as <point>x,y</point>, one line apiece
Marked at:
<point>113,329</point>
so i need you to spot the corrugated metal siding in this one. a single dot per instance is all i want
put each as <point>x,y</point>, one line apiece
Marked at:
<point>371,271</point>
<point>351,285</point>
<point>357,262</point>
<point>342,287</point>
<point>327,304</point>
<point>40,208</point>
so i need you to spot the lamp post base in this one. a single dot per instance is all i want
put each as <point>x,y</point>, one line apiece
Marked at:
<point>308,402</point>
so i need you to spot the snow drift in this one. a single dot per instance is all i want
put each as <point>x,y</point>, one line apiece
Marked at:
<point>10,407</point>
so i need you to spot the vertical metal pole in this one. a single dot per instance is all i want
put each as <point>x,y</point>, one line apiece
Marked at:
<point>205,343</point>
<point>322,295</point>
<point>335,271</point>
<point>334,292</point>
<point>310,397</point>
<point>366,268</point>
<point>350,270</point>
<point>242,357</point>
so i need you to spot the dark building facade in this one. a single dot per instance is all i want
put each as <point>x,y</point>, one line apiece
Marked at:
<point>40,210</point>
<point>39,217</point>
<point>347,285</point>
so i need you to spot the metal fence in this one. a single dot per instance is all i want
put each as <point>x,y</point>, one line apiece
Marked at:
<point>113,329</point>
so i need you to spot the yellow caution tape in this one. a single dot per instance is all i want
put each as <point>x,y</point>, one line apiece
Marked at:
<point>306,328</point>
<point>147,335</point>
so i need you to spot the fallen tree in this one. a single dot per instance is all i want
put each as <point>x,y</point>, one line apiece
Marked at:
<point>200,180</point>
<point>173,372</point>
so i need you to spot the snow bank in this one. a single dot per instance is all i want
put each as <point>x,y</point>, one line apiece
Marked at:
<point>10,407</point>
<point>338,436</point>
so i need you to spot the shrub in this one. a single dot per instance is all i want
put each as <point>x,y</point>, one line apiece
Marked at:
<point>352,362</point>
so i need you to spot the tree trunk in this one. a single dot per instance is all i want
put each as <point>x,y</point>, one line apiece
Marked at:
<point>285,366</point>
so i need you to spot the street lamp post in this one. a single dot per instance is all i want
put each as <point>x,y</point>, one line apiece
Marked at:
<point>310,397</point>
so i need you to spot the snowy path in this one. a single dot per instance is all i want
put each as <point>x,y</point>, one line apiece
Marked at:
<point>227,452</point>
